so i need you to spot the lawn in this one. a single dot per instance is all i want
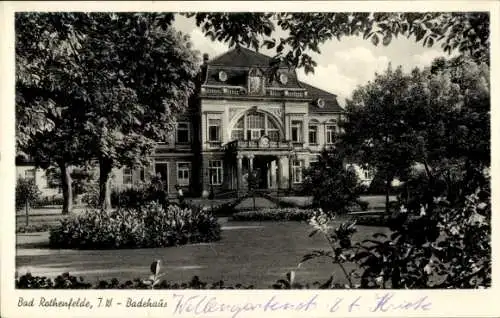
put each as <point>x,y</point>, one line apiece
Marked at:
<point>256,253</point>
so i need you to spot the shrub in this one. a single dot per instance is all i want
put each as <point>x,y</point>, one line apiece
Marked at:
<point>284,214</point>
<point>139,194</point>
<point>148,226</point>
<point>363,205</point>
<point>26,192</point>
<point>90,194</point>
<point>334,188</point>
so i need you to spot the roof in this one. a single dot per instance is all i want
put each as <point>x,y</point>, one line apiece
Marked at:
<point>241,57</point>
<point>237,62</point>
<point>331,103</point>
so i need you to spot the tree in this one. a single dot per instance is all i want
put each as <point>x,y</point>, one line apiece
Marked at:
<point>47,80</point>
<point>447,114</point>
<point>334,187</point>
<point>128,76</point>
<point>27,193</point>
<point>433,118</point>
<point>467,32</point>
<point>376,131</point>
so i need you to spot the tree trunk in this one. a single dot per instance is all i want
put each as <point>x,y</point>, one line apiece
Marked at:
<point>104,184</point>
<point>27,210</point>
<point>387,189</point>
<point>66,188</point>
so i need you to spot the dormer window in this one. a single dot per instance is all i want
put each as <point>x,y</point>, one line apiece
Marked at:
<point>283,78</point>
<point>222,76</point>
<point>320,102</point>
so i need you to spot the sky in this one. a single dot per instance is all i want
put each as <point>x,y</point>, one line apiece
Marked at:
<point>342,65</point>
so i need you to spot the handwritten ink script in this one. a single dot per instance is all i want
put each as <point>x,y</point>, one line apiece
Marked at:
<point>200,305</point>
<point>188,305</point>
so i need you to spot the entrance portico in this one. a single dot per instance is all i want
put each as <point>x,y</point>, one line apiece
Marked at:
<point>270,164</point>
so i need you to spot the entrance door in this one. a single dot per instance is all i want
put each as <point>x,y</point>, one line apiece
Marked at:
<point>260,165</point>
<point>161,170</point>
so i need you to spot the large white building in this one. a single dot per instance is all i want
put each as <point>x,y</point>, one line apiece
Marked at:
<point>244,120</point>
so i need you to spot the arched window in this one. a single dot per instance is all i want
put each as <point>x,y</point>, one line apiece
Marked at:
<point>254,125</point>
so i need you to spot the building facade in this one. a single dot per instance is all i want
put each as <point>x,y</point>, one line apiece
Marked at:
<point>247,123</point>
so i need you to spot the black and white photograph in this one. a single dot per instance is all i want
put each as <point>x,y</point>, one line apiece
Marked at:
<point>238,150</point>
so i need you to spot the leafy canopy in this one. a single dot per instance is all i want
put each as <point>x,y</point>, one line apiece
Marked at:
<point>467,32</point>
<point>104,82</point>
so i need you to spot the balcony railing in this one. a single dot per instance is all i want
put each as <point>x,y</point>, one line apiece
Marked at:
<point>239,90</point>
<point>223,90</point>
<point>258,145</point>
<point>271,91</point>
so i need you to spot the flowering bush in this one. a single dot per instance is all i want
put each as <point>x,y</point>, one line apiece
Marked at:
<point>283,214</point>
<point>148,226</point>
<point>447,246</point>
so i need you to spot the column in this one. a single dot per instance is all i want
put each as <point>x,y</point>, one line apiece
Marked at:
<point>279,175</point>
<point>239,171</point>
<point>305,131</point>
<point>250,163</point>
<point>290,172</point>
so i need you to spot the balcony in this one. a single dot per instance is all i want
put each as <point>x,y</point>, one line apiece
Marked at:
<point>207,90</point>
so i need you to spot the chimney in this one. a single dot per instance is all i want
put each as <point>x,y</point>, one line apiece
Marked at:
<point>205,58</point>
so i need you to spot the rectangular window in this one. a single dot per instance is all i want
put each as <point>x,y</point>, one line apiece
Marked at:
<point>183,133</point>
<point>127,175</point>
<point>183,173</point>
<point>142,174</point>
<point>214,130</point>
<point>297,171</point>
<point>296,131</point>
<point>330,134</point>
<point>30,174</point>
<point>313,134</point>
<point>215,172</point>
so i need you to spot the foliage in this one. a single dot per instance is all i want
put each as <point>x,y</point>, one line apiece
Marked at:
<point>444,241</point>
<point>278,214</point>
<point>430,119</point>
<point>334,188</point>
<point>26,192</point>
<point>90,194</point>
<point>304,33</point>
<point>148,226</point>
<point>341,248</point>
<point>447,247</point>
<point>138,195</point>
<point>109,84</point>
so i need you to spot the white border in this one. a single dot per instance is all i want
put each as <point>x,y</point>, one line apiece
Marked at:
<point>477,303</point>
